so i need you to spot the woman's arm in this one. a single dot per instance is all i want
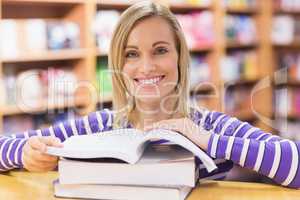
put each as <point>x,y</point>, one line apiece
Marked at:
<point>279,160</point>
<point>224,137</point>
<point>222,124</point>
<point>11,147</point>
<point>250,147</point>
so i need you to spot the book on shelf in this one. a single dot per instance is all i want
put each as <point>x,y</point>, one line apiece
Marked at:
<point>92,191</point>
<point>198,29</point>
<point>103,78</point>
<point>287,5</point>
<point>33,36</point>
<point>239,65</point>
<point>108,20</point>
<point>240,3</point>
<point>283,29</point>
<point>240,29</point>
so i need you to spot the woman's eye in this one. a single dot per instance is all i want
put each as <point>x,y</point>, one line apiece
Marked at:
<point>130,54</point>
<point>161,50</point>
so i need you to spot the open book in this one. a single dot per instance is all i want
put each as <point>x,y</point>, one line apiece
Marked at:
<point>124,144</point>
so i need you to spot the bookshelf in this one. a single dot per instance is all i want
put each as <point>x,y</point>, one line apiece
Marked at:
<point>78,60</point>
<point>286,80</point>
<point>83,60</point>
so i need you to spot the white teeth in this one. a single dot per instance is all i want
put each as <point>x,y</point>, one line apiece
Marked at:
<point>150,81</point>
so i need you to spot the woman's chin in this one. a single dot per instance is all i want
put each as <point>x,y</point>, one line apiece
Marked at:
<point>148,98</point>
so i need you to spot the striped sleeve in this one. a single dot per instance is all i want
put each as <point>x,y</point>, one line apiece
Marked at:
<point>222,124</point>
<point>11,146</point>
<point>253,148</point>
<point>279,160</point>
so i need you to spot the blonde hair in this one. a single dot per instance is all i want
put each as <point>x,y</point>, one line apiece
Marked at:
<point>123,105</point>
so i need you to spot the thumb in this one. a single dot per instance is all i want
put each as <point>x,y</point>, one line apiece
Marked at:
<point>51,141</point>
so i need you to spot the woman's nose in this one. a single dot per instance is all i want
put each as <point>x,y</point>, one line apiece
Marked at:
<point>148,65</point>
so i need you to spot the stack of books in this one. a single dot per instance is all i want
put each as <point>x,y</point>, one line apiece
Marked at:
<point>128,164</point>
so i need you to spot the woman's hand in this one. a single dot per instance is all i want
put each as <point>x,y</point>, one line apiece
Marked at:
<point>34,157</point>
<point>187,128</point>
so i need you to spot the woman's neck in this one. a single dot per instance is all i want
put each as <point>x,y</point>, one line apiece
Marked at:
<point>145,113</point>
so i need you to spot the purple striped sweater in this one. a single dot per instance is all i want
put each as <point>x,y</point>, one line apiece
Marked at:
<point>232,141</point>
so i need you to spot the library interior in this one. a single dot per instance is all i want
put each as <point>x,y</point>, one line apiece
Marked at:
<point>244,61</point>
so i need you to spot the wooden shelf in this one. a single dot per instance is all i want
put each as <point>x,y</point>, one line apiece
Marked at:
<point>204,89</point>
<point>289,83</point>
<point>288,116</point>
<point>194,50</point>
<point>244,115</point>
<point>107,4</point>
<point>67,54</point>
<point>101,54</point>
<point>242,10</point>
<point>201,49</point>
<point>293,116</point>
<point>242,82</point>
<point>284,11</point>
<point>112,4</point>
<point>43,2</point>
<point>43,106</point>
<point>237,45</point>
<point>105,98</point>
<point>188,7</point>
<point>83,12</point>
<point>292,45</point>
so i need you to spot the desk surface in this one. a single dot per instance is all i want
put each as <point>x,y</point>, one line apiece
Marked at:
<point>38,186</point>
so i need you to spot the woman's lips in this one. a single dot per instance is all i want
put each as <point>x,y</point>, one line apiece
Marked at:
<point>149,81</point>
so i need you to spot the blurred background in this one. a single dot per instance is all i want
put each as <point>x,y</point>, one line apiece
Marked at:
<point>245,59</point>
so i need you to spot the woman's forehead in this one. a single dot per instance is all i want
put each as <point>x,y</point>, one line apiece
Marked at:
<point>151,30</point>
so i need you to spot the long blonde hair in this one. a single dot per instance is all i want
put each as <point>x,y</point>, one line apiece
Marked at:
<point>122,104</point>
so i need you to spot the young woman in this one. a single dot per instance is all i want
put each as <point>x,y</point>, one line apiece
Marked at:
<point>150,61</point>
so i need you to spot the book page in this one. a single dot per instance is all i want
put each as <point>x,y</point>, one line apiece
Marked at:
<point>121,144</point>
<point>181,140</point>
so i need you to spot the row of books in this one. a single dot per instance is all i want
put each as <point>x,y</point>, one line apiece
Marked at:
<point>240,29</point>
<point>240,3</point>
<point>103,78</point>
<point>285,29</point>
<point>287,102</point>
<point>192,2</point>
<point>197,27</point>
<point>290,5</point>
<point>104,25</point>
<point>25,122</point>
<point>288,129</point>
<point>35,35</point>
<point>237,100</point>
<point>199,70</point>
<point>239,65</point>
<point>29,88</point>
<point>288,66</point>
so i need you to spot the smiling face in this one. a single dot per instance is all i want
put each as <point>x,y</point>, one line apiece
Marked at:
<point>151,60</point>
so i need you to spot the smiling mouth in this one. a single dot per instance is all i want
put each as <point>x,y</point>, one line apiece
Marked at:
<point>152,80</point>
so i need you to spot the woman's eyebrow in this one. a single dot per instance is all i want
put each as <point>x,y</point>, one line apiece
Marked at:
<point>131,46</point>
<point>153,45</point>
<point>160,42</point>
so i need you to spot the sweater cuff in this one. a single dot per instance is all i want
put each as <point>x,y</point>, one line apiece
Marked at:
<point>217,146</point>
<point>19,153</point>
<point>210,143</point>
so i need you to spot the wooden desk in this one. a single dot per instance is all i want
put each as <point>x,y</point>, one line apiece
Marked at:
<point>19,185</point>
